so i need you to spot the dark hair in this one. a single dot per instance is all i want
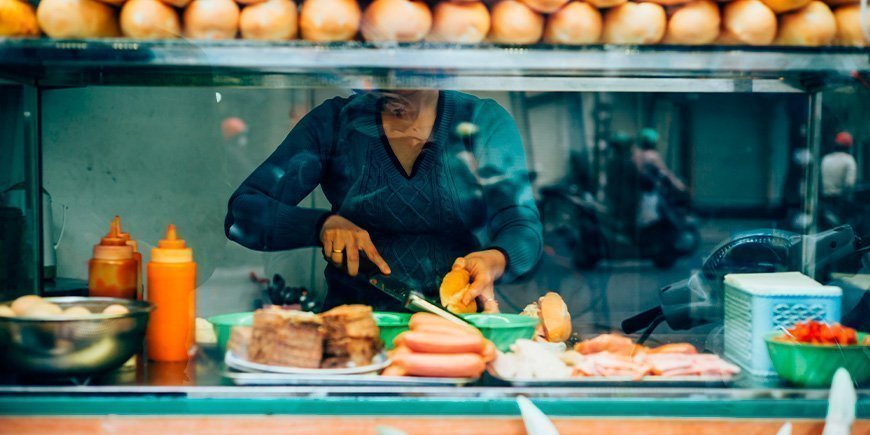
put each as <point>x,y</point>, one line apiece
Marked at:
<point>647,139</point>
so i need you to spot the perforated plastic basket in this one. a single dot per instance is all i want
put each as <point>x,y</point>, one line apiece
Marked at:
<point>758,303</point>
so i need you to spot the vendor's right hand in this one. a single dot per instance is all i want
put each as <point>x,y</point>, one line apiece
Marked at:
<point>341,237</point>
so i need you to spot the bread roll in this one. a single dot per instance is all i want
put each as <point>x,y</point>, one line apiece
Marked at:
<point>211,19</point>
<point>515,23</point>
<point>453,289</point>
<point>694,23</point>
<point>272,20</point>
<point>577,23</point>
<point>396,20</point>
<point>849,26</point>
<point>812,26</point>
<point>635,23</point>
<point>149,19</point>
<point>748,22</point>
<point>780,6</point>
<point>604,4</point>
<point>17,18</point>
<point>77,19</point>
<point>177,3</point>
<point>555,318</point>
<point>545,6</point>
<point>329,20</point>
<point>463,22</point>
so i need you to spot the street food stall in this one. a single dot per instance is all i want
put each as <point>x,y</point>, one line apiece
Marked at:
<point>408,217</point>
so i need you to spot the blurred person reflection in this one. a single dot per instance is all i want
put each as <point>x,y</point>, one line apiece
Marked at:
<point>419,181</point>
<point>839,172</point>
<point>652,173</point>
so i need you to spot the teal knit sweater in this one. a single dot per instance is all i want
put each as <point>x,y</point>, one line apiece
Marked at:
<point>469,190</point>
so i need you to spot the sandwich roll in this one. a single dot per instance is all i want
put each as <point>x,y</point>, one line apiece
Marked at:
<point>271,20</point>
<point>515,23</point>
<point>149,19</point>
<point>545,6</point>
<point>849,26</point>
<point>211,19</point>
<point>575,24</point>
<point>635,23</point>
<point>604,4</point>
<point>462,22</point>
<point>396,21</point>
<point>555,318</point>
<point>748,22</point>
<point>73,19</point>
<point>17,18</point>
<point>780,6</point>
<point>694,23</point>
<point>329,20</point>
<point>812,26</point>
<point>453,289</point>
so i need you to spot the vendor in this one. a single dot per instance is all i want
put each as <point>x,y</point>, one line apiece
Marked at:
<point>419,181</point>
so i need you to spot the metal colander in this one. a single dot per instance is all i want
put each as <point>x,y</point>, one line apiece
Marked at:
<point>74,346</point>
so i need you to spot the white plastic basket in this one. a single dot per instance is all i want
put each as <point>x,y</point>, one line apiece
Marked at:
<point>758,303</point>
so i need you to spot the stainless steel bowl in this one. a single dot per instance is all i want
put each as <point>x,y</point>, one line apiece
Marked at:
<point>59,346</point>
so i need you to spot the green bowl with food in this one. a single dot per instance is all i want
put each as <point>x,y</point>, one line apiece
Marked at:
<point>814,365</point>
<point>503,329</point>
<point>391,325</point>
<point>223,325</point>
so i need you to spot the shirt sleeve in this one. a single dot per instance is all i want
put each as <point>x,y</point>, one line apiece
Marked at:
<point>263,213</point>
<point>514,224</point>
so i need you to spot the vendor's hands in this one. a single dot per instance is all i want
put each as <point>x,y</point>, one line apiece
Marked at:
<point>485,267</point>
<point>341,237</point>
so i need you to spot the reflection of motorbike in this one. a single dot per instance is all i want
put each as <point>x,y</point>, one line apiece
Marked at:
<point>584,226</point>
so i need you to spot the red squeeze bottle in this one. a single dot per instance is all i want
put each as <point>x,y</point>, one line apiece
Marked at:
<point>172,290</point>
<point>136,256</point>
<point>112,270</point>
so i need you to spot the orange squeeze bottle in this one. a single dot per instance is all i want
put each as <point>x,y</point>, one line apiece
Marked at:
<point>112,270</point>
<point>136,256</point>
<point>172,290</point>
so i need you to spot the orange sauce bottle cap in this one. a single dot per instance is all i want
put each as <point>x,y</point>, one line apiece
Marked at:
<point>171,249</point>
<point>112,246</point>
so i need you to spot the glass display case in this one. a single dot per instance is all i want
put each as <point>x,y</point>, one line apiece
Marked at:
<point>649,173</point>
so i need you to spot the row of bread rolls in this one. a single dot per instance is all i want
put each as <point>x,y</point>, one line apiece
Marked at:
<point>741,22</point>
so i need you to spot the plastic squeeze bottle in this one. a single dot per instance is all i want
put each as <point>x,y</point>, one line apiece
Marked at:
<point>136,256</point>
<point>172,290</point>
<point>112,270</point>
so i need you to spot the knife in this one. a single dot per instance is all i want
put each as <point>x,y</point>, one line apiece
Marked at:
<point>412,299</point>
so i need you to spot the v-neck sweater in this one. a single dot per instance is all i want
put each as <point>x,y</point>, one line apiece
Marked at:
<point>469,190</point>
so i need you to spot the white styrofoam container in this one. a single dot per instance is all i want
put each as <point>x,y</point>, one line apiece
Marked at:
<point>758,303</point>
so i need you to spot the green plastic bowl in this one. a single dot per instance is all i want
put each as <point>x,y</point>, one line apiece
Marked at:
<point>391,325</point>
<point>504,329</point>
<point>223,325</point>
<point>813,365</point>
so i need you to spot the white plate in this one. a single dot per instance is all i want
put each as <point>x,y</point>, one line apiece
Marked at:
<point>379,362</point>
<point>365,380</point>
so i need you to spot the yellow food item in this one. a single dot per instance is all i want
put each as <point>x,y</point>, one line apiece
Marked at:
<point>77,19</point>
<point>515,23</point>
<point>635,23</point>
<point>694,23</point>
<point>149,19</point>
<point>396,21</point>
<point>329,20</point>
<point>453,289</point>
<point>20,305</point>
<point>464,22</point>
<point>849,26</point>
<point>77,311</point>
<point>116,309</point>
<point>555,318</point>
<point>17,18</point>
<point>576,23</point>
<point>747,22</point>
<point>780,6</point>
<point>6,311</point>
<point>42,309</point>
<point>271,20</point>
<point>812,26</point>
<point>211,19</point>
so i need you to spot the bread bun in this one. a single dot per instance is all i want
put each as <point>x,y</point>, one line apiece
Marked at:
<point>149,19</point>
<point>635,23</point>
<point>780,6</point>
<point>177,3</point>
<point>396,20</point>
<point>748,22</point>
<point>272,20</point>
<point>77,19</point>
<point>453,289</point>
<point>211,19</point>
<point>812,26</point>
<point>545,6</point>
<point>515,23</point>
<point>604,4</point>
<point>20,305</point>
<point>694,23</point>
<point>463,22</point>
<point>17,18</point>
<point>329,20</point>
<point>575,24</point>
<point>849,26</point>
<point>555,318</point>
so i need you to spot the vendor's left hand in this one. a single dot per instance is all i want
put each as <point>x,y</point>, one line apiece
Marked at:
<point>485,267</point>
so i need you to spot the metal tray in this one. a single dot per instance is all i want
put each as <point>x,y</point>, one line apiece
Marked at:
<point>371,380</point>
<point>621,381</point>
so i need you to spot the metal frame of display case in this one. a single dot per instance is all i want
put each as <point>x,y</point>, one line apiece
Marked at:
<point>39,64</point>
